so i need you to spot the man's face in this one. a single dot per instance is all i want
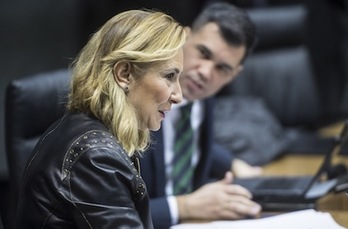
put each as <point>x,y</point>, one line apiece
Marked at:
<point>209,63</point>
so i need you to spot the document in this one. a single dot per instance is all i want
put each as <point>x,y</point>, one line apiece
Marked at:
<point>304,219</point>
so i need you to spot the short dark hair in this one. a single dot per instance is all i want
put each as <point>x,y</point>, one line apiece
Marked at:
<point>234,23</point>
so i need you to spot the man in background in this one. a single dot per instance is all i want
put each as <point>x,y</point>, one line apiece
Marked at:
<point>199,184</point>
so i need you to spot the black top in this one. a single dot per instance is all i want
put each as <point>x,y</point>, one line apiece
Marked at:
<point>79,176</point>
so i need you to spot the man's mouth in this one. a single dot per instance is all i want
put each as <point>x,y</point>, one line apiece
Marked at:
<point>195,85</point>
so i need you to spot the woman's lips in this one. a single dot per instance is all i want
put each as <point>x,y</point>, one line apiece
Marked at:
<point>163,114</point>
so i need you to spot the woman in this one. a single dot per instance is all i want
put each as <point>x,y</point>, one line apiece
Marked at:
<point>84,170</point>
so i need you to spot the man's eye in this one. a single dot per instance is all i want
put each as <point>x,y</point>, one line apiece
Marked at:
<point>224,71</point>
<point>204,53</point>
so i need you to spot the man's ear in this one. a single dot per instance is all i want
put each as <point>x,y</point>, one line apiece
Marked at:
<point>122,74</point>
<point>236,72</point>
<point>239,69</point>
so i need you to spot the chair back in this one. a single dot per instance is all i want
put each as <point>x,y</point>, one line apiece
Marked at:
<point>32,104</point>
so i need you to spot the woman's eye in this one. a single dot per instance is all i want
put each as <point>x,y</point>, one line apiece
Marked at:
<point>170,75</point>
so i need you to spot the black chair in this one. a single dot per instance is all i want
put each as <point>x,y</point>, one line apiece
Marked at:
<point>279,71</point>
<point>32,104</point>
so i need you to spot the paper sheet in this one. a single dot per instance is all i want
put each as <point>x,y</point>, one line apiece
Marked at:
<point>304,219</point>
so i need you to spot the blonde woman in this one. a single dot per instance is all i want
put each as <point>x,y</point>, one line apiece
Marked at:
<point>84,171</point>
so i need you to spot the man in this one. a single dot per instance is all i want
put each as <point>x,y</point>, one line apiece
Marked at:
<point>221,38</point>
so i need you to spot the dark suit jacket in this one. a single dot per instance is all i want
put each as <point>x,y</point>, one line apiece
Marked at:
<point>213,164</point>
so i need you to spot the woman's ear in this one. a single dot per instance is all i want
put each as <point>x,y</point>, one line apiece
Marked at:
<point>122,74</point>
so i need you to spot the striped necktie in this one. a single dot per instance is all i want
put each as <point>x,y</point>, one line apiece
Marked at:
<point>183,148</point>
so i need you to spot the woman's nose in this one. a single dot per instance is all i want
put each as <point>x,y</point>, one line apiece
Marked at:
<point>176,96</point>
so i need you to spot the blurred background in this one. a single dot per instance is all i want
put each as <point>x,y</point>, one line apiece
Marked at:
<point>44,35</point>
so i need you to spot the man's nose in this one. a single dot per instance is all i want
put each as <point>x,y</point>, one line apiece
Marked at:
<point>206,69</point>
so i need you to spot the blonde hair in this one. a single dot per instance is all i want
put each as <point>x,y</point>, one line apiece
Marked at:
<point>144,39</point>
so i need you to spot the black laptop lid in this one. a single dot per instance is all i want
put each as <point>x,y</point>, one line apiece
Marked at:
<point>292,187</point>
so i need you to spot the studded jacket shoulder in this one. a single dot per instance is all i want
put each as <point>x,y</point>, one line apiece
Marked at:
<point>79,176</point>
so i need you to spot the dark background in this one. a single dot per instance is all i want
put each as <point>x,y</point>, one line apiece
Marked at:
<point>45,35</point>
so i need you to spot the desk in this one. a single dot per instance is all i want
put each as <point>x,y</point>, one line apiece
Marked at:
<point>335,203</point>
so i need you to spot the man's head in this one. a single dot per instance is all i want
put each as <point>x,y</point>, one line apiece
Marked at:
<point>220,39</point>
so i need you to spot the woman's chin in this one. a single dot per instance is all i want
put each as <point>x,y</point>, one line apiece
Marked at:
<point>155,128</point>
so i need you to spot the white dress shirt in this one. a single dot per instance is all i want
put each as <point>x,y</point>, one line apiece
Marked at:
<point>168,138</point>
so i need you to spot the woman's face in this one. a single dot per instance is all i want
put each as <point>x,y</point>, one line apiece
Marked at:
<point>153,94</point>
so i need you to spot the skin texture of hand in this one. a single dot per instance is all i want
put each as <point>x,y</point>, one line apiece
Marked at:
<point>218,201</point>
<point>242,169</point>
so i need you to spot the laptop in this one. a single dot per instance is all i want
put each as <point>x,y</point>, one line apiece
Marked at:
<point>295,192</point>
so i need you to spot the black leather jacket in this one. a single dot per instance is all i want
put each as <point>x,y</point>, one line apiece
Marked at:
<point>80,177</point>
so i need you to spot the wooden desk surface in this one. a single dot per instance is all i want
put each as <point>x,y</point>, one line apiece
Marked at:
<point>335,203</point>
<point>299,164</point>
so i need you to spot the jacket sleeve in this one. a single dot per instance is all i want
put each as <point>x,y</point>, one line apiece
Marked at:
<point>160,213</point>
<point>102,188</point>
<point>220,158</point>
<point>221,161</point>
